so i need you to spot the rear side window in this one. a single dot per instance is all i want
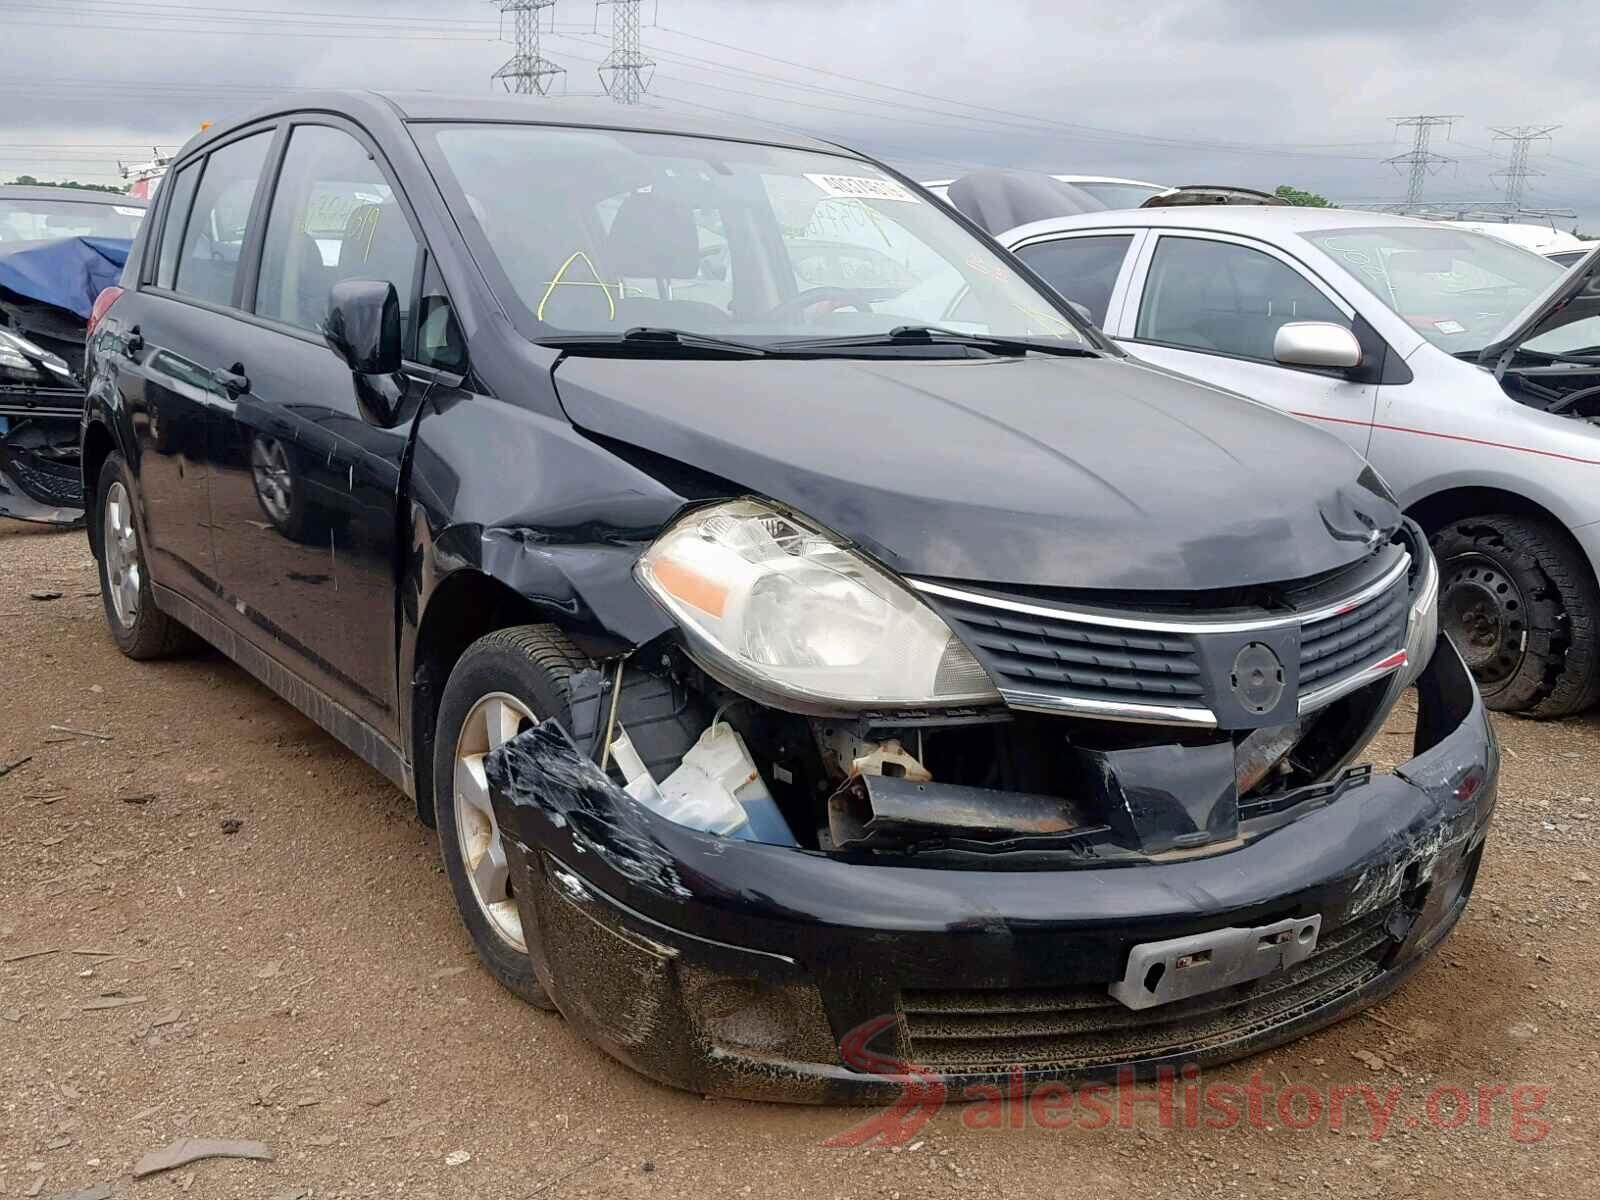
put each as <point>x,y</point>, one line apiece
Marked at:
<point>180,193</point>
<point>334,217</point>
<point>1225,298</point>
<point>209,260</point>
<point>1083,269</point>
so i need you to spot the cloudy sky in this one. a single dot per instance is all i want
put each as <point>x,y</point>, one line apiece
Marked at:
<point>1259,92</point>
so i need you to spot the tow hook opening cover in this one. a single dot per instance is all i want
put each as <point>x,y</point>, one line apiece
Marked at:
<point>1162,972</point>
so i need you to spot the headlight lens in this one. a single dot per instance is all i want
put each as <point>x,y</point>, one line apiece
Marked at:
<point>781,603</point>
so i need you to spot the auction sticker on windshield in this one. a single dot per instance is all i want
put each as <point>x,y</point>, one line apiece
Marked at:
<point>861,187</point>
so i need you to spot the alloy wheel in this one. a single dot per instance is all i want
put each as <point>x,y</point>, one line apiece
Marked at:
<point>120,545</point>
<point>493,721</point>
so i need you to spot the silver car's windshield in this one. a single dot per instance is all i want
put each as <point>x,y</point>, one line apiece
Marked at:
<point>600,231</point>
<point>1458,289</point>
<point>42,220</point>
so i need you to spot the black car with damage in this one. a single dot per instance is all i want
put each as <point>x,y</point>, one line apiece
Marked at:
<point>811,690</point>
<point>59,248</point>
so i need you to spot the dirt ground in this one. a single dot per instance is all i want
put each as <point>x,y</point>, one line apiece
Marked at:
<point>304,982</point>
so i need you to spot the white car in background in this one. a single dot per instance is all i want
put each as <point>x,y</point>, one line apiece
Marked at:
<point>1109,190</point>
<point>1465,368</point>
<point>1541,239</point>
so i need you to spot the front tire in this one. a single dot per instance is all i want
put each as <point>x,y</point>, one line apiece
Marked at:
<point>142,631</point>
<point>505,683</point>
<point>1519,601</point>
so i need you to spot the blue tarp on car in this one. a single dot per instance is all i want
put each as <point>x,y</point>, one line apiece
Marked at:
<point>67,273</point>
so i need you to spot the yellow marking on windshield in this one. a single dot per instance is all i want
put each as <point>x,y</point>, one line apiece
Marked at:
<point>561,279</point>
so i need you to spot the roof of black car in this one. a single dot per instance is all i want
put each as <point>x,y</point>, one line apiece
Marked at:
<point>533,110</point>
<point>17,191</point>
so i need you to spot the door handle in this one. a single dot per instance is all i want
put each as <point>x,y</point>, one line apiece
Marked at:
<point>233,381</point>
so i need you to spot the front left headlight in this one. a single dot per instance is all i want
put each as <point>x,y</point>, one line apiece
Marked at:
<point>779,604</point>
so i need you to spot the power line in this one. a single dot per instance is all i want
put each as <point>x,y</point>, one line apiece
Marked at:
<point>1033,122</point>
<point>626,72</point>
<point>528,72</point>
<point>1516,172</point>
<point>1422,161</point>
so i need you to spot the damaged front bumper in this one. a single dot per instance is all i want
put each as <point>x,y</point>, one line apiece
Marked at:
<point>40,473</point>
<point>744,969</point>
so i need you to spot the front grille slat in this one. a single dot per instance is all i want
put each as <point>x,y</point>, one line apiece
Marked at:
<point>1082,656</point>
<point>1078,1027</point>
<point>1351,640</point>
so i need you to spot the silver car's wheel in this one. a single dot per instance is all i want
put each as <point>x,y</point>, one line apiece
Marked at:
<point>493,720</point>
<point>121,545</point>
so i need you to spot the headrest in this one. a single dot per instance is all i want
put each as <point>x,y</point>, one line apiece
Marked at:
<point>653,238</point>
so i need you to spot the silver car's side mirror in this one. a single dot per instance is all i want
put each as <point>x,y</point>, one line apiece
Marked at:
<point>1316,344</point>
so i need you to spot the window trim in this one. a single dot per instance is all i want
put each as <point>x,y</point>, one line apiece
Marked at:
<point>1117,300</point>
<point>150,266</point>
<point>1140,290</point>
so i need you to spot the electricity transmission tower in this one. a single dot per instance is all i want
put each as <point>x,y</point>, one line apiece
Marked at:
<point>1517,171</point>
<point>528,72</point>
<point>1422,161</point>
<point>626,72</point>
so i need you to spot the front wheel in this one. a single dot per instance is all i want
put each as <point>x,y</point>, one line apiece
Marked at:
<point>505,683</point>
<point>1519,601</point>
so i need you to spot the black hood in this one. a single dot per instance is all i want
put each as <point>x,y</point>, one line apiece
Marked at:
<point>1059,472</point>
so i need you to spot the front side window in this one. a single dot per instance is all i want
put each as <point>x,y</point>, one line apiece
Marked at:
<point>1225,298</point>
<point>208,262</point>
<point>45,220</point>
<point>1083,269</point>
<point>600,231</point>
<point>1458,289</point>
<point>334,217</point>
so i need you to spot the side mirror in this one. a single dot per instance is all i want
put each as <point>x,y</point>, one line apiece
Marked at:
<point>363,326</point>
<point>1316,344</point>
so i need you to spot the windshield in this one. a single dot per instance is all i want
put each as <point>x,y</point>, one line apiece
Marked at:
<point>42,220</point>
<point>1119,195</point>
<point>1459,290</point>
<point>601,231</point>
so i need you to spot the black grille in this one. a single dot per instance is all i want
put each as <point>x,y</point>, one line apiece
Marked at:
<point>1083,1027</point>
<point>1334,645</point>
<point>1046,654</point>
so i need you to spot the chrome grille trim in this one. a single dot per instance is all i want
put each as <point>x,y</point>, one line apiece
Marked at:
<point>1141,667</point>
<point>1149,624</point>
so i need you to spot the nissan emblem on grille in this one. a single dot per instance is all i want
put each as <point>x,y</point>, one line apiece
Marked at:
<point>1257,678</point>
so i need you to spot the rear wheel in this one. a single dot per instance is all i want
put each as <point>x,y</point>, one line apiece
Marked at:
<point>505,683</point>
<point>142,631</point>
<point>1519,601</point>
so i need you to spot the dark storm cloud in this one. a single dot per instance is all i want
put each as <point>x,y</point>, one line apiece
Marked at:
<point>1254,91</point>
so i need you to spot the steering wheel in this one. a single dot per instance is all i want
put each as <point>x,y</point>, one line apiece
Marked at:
<point>811,297</point>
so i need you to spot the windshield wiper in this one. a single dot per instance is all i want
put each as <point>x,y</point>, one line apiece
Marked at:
<point>933,335</point>
<point>650,339</point>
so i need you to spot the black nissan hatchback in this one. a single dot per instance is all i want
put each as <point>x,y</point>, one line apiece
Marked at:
<point>828,662</point>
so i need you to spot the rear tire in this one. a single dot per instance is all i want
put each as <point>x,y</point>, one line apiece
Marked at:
<point>142,631</point>
<point>505,682</point>
<point>1518,599</point>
